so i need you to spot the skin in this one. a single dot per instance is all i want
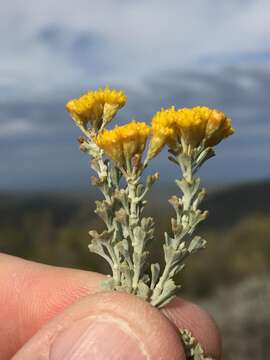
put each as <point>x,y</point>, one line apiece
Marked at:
<point>39,303</point>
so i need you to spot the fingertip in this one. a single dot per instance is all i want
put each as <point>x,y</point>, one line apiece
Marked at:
<point>32,294</point>
<point>107,324</point>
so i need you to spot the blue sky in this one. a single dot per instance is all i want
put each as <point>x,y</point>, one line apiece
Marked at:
<point>160,52</point>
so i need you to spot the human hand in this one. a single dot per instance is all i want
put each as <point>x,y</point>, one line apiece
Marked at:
<point>57,313</point>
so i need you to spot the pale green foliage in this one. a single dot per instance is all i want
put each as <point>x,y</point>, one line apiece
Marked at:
<point>193,349</point>
<point>124,242</point>
<point>182,243</point>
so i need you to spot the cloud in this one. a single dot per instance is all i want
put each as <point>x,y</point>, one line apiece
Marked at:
<point>186,53</point>
<point>47,151</point>
<point>51,46</point>
<point>17,127</point>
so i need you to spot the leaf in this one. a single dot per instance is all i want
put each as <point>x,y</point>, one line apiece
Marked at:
<point>108,284</point>
<point>139,235</point>
<point>197,243</point>
<point>155,271</point>
<point>176,269</point>
<point>102,210</point>
<point>151,179</point>
<point>122,196</point>
<point>143,290</point>
<point>123,248</point>
<point>105,236</point>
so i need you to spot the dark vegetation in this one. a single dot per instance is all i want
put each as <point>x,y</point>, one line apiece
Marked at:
<point>231,278</point>
<point>52,228</point>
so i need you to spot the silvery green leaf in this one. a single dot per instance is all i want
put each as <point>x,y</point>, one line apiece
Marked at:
<point>178,256</point>
<point>95,165</point>
<point>168,252</point>
<point>122,196</point>
<point>166,300</point>
<point>151,179</point>
<point>143,290</point>
<point>176,269</point>
<point>140,190</point>
<point>197,243</point>
<point>115,175</point>
<point>204,156</point>
<point>145,278</point>
<point>155,271</point>
<point>176,227</point>
<point>102,208</point>
<point>122,216</point>
<point>108,284</point>
<point>147,223</point>
<point>197,352</point>
<point>168,240</point>
<point>183,185</point>
<point>144,257</point>
<point>198,216</point>
<point>95,247</point>
<point>195,187</point>
<point>199,198</point>
<point>123,248</point>
<point>139,235</point>
<point>105,236</point>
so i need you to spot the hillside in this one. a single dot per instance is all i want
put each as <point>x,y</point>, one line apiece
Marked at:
<point>53,228</point>
<point>226,206</point>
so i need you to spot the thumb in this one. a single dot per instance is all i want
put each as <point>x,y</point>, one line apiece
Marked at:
<point>104,326</point>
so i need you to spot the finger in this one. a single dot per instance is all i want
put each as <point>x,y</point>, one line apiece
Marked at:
<point>190,316</point>
<point>32,293</point>
<point>112,326</point>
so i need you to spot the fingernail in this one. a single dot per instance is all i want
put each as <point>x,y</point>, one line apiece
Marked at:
<point>97,338</point>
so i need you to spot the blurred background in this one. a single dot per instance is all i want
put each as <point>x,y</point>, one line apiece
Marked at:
<point>182,53</point>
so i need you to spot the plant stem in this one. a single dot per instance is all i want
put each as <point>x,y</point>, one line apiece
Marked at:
<point>183,220</point>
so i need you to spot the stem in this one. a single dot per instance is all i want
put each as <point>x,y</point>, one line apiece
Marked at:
<point>182,219</point>
<point>132,183</point>
<point>108,192</point>
<point>134,214</point>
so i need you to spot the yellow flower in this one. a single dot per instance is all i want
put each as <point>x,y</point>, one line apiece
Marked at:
<point>122,143</point>
<point>163,131</point>
<point>218,128</point>
<point>96,107</point>
<point>193,126</point>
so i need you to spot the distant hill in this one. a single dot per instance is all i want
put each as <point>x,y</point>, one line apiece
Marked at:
<point>229,205</point>
<point>226,206</point>
<point>53,228</point>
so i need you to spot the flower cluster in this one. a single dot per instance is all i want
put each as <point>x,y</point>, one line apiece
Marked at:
<point>96,107</point>
<point>192,126</point>
<point>124,142</point>
<point>190,134</point>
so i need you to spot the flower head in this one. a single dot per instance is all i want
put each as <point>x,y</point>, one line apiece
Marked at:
<point>96,107</point>
<point>192,126</point>
<point>218,128</point>
<point>163,131</point>
<point>122,143</point>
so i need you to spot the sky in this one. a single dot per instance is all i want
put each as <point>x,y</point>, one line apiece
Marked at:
<point>161,53</point>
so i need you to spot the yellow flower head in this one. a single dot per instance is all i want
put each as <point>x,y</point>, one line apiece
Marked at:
<point>96,107</point>
<point>218,128</point>
<point>163,131</point>
<point>193,126</point>
<point>122,143</point>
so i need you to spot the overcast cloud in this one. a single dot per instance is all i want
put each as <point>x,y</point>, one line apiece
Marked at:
<point>161,53</point>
